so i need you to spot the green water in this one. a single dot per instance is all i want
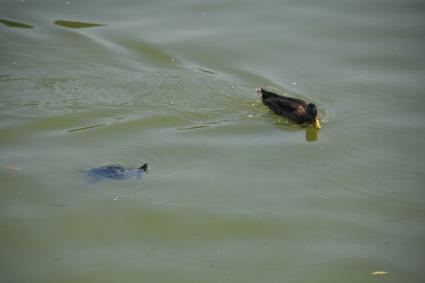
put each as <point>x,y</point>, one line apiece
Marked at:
<point>234,193</point>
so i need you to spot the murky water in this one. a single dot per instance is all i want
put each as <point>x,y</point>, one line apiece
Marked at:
<point>234,193</point>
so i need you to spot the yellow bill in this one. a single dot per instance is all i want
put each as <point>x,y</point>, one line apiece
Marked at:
<point>317,124</point>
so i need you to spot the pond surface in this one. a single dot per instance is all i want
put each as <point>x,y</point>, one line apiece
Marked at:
<point>234,193</point>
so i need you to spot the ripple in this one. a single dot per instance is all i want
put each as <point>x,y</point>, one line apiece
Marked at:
<point>74,24</point>
<point>207,71</point>
<point>13,24</point>
<point>193,128</point>
<point>85,128</point>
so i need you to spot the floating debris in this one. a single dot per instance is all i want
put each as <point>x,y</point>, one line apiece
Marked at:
<point>379,273</point>
<point>14,168</point>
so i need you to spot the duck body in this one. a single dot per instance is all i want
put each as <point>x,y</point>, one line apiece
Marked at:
<point>116,172</point>
<point>294,109</point>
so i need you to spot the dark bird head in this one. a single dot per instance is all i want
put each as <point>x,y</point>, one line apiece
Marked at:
<point>144,167</point>
<point>311,115</point>
<point>311,112</point>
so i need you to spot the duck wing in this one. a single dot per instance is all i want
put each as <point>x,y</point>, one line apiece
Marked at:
<point>282,104</point>
<point>294,100</point>
<point>290,108</point>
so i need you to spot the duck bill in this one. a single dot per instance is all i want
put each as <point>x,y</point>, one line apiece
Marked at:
<point>317,124</point>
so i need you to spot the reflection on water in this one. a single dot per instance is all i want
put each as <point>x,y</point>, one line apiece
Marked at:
<point>311,134</point>
<point>73,24</point>
<point>15,24</point>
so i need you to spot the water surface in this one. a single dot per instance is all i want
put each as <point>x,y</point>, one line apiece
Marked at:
<point>234,194</point>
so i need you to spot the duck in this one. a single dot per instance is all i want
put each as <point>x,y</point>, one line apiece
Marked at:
<point>294,109</point>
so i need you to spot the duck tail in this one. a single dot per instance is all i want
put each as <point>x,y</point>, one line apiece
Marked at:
<point>259,92</point>
<point>144,167</point>
<point>265,94</point>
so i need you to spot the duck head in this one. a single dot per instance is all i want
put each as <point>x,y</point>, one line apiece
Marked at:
<point>144,167</point>
<point>311,112</point>
<point>311,115</point>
